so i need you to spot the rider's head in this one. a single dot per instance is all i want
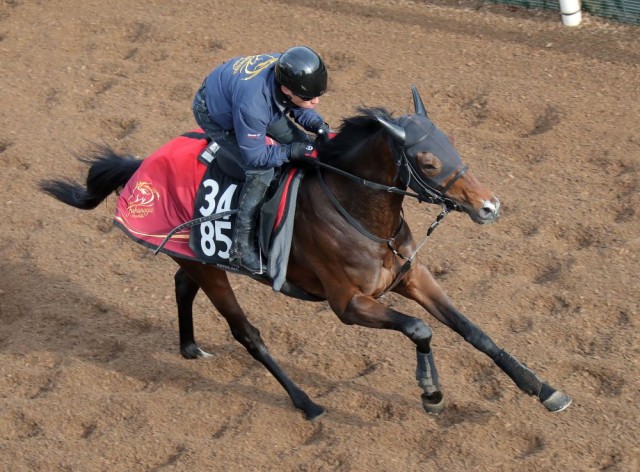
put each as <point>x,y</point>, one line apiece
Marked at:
<point>302,73</point>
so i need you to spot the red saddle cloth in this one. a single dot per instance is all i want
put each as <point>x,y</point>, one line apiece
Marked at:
<point>160,196</point>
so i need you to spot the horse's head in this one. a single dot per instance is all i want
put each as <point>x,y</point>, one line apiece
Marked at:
<point>431,166</point>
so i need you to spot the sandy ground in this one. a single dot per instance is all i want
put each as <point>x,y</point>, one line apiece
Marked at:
<point>90,374</point>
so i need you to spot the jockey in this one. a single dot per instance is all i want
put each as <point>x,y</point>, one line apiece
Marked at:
<point>247,98</point>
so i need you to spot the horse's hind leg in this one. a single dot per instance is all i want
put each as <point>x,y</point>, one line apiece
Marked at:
<point>216,286</point>
<point>186,290</point>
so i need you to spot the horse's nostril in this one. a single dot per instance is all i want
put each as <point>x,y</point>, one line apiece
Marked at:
<point>488,213</point>
<point>490,209</point>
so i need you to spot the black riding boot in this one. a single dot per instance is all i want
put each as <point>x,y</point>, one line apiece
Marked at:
<point>245,251</point>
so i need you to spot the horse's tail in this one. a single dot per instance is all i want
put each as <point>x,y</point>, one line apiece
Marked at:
<point>108,171</point>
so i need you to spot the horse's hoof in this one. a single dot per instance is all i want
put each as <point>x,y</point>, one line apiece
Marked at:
<point>313,412</point>
<point>202,353</point>
<point>192,351</point>
<point>558,401</point>
<point>433,403</point>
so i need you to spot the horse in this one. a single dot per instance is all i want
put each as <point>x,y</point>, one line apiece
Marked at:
<point>350,244</point>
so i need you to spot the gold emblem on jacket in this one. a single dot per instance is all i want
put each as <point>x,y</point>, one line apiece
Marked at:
<point>252,65</point>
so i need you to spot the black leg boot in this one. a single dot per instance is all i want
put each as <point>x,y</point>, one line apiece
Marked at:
<point>245,251</point>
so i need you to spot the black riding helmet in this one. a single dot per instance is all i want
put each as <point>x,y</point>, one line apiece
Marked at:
<point>302,71</point>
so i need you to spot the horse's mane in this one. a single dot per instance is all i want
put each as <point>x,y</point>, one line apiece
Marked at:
<point>355,134</point>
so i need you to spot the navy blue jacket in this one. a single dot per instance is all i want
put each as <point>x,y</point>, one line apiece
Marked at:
<point>240,96</point>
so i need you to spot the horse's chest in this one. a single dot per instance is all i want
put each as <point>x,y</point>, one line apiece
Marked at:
<point>373,278</point>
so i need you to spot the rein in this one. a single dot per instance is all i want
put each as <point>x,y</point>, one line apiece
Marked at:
<point>430,195</point>
<point>432,198</point>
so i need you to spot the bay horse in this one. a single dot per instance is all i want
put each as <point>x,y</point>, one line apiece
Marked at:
<point>351,243</point>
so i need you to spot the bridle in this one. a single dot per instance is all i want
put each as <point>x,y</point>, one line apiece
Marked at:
<point>408,176</point>
<point>423,192</point>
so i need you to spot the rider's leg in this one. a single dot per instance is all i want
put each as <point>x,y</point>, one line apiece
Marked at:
<point>201,114</point>
<point>245,251</point>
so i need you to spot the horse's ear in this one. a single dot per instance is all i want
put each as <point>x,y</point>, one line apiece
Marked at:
<point>397,132</point>
<point>417,102</point>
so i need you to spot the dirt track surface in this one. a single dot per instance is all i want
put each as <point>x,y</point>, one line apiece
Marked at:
<point>90,374</point>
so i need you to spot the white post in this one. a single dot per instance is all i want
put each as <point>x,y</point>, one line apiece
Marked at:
<point>571,12</point>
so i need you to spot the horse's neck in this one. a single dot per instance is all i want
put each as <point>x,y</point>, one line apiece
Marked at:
<point>379,211</point>
<point>370,160</point>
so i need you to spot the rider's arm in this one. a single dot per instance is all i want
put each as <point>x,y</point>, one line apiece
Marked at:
<point>307,118</point>
<point>250,128</point>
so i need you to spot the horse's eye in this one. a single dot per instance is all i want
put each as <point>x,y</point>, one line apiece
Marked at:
<point>429,163</point>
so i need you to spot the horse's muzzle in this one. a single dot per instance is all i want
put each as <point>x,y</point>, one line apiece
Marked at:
<point>487,213</point>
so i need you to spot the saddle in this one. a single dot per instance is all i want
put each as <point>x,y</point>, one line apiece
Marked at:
<point>182,201</point>
<point>215,208</point>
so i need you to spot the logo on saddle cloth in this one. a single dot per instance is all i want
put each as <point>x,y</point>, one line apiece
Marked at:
<point>140,203</point>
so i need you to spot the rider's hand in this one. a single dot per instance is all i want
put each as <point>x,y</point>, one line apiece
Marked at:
<point>300,151</point>
<point>323,134</point>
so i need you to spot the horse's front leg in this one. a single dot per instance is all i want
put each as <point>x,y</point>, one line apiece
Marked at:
<point>419,285</point>
<point>363,310</point>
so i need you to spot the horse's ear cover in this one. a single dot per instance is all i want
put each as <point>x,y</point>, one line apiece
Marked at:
<point>417,102</point>
<point>396,132</point>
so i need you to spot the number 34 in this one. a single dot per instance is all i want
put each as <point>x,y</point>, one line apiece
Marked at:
<point>212,232</point>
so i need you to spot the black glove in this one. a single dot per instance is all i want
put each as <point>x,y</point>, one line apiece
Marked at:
<point>323,134</point>
<point>299,151</point>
